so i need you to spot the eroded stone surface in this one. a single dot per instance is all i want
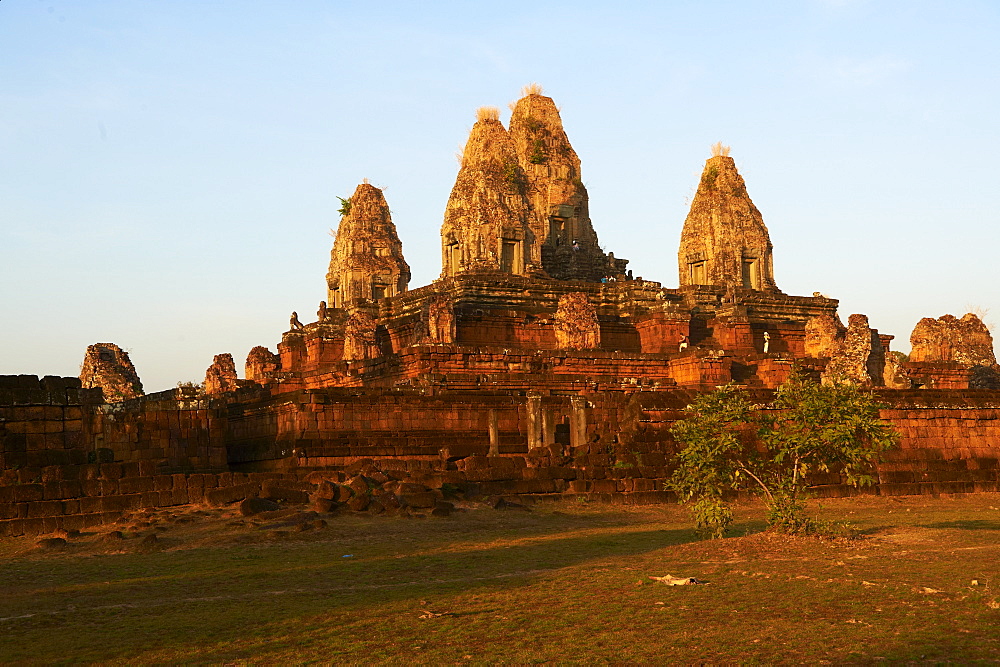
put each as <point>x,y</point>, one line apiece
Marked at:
<point>824,336</point>
<point>894,375</point>
<point>576,322</point>
<point>439,315</point>
<point>108,367</point>
<point>221,375</point>
<point>359,337</point>
<point>260,363</point>
<point>966,341</point>
<point>366,261</point>
<point>724,241</point>
<point>860,358</point>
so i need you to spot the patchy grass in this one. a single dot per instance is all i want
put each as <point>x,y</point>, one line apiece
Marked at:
<point>565,582</point>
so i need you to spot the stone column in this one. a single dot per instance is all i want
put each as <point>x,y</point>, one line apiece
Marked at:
<point>578,421</point>
<point>548,428</point>
<point>494,433</point>
<point>535,421</point>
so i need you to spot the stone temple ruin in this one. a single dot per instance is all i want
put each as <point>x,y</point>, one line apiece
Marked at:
<point>535,366</point>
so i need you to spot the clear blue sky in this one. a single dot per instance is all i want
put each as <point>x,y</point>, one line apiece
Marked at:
<point>169,171</point>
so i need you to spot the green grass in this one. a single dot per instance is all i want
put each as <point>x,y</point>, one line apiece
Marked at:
<point>565,582</point>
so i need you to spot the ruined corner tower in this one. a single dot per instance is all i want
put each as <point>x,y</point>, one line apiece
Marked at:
<point>560,215</point>
<point>724,241</point>
<point>486,222</point>
<point>366,261</point>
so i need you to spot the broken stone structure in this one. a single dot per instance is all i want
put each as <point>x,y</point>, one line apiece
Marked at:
<point>824,336</point>
<point>952,353</point>
<point>261,364</point>
<point>107,367</point>
<point>964,341</point>
<point>861,355</point>
<point>221,375</point>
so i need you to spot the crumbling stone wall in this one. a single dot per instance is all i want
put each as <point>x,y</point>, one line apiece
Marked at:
<point>261,364</point>
<point>863,357</point>
<point>108,367</point>
<point>44,422</point>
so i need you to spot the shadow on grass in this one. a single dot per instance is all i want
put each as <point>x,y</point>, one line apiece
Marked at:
<point>203,601</point>
<point>966,524</point>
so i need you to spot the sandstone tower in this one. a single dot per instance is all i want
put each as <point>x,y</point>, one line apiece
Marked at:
<point>108,367</point>
<point>966,341</point>
<point>366,261</point>
<point>724,241</point>
<point>221,377</point>
<point>486,222</point>
<point>560,215</point>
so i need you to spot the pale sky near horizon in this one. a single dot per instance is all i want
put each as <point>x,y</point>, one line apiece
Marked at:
<point>169,172</point>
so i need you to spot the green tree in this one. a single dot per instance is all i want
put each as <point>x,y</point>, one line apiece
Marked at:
<point>730,444</point>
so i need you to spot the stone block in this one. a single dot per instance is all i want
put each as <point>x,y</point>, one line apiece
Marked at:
<point>111,471</point>
<point>70,489</point>
<point>8,511</point>
<point>230,494</point>
<point>26,493</point>
<point>43,508</point>
<point>277,491</point>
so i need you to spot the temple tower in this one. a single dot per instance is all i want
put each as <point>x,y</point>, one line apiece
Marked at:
<point>366,261</point>
<point>560,215</point>
<point>724,241</point>
<point>108,367</point>
<point>486,222</point>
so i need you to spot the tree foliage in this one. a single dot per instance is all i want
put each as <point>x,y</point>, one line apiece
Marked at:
<point>731,444</point>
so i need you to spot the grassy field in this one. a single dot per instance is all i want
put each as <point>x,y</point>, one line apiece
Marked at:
<point>561,583</point>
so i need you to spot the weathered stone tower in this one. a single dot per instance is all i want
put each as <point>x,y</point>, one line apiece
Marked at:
<point>108,367</point>
<point>366,261</point>
<point>724,241</point>
<point>966,341</point>
<point>560,215</point>
<point>486,222</point>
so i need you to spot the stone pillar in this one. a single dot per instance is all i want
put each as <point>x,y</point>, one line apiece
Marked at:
<point>578,421</point>
<point>548,428</point>
<point>494,433</point>
<point>535,420</point>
